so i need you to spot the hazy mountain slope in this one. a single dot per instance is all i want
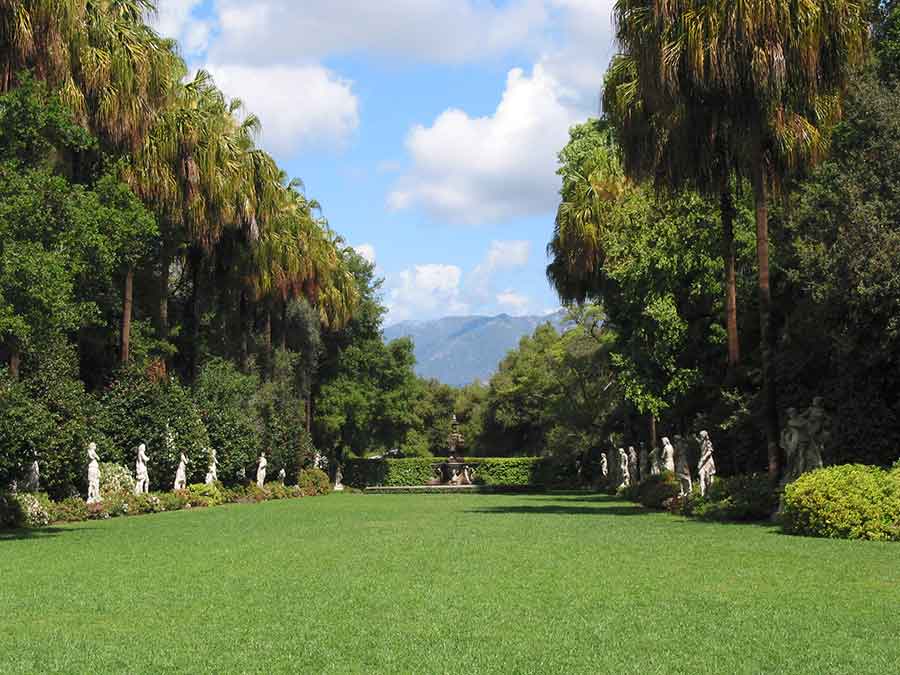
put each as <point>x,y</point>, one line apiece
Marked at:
<point>458,350</point>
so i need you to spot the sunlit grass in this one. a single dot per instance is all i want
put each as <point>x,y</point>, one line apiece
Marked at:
<point>443,583</point>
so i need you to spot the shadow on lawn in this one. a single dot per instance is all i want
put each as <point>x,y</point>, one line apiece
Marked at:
<point>43,533</point>
<point>602,505</point>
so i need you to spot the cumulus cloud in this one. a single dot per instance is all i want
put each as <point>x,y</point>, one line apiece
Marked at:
<point>280,31</point>
<point>299,106</point>
<point>514,303</point>
<point>502,255</point>
<point>367,251</point>
<point>489,169</point>
<point>425,291</point>
<point>176,19</point>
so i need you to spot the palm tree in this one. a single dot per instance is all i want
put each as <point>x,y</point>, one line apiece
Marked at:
<point>662,149</point>
<point>760,82</point>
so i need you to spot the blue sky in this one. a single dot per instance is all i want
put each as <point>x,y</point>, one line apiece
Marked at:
<point>428,129</point>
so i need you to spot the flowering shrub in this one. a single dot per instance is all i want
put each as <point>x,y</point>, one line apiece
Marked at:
<point>70,510</point>
<point>36,509</point>
<point>115,479</point>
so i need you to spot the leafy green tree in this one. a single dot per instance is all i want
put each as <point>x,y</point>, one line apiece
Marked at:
<point>764,80</point>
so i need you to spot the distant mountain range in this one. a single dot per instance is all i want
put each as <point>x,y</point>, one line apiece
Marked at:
<point>458,350</point>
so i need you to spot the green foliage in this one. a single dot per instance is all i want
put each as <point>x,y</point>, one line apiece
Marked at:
<point>851,501</point>
<point>224,397</point>
<point>139,410</point>
<point>202,494</point>
<point>282,415</point>
<point>313,482</point>
<point>656,491</point>
<point>741,498</point>
<point>70,510</point>
<point>361,473</point>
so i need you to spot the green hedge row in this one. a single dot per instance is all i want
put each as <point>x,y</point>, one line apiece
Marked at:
<point>494,471</point>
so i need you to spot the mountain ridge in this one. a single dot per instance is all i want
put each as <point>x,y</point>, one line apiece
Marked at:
<point>458,350</point>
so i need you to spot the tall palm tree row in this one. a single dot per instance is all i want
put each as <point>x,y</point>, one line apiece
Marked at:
<point>746,89</point>
<point>190,155</point>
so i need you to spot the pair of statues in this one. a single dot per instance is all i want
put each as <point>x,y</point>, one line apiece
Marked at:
<point>803,440</point>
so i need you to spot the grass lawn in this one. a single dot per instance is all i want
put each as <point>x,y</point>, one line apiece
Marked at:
<point>441,584</point>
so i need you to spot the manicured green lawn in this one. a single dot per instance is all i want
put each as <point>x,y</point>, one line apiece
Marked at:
<point>441,584</point>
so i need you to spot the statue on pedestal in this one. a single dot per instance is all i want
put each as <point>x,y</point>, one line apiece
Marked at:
<point>644,462</point>
<point>604,468</point>
<point>142,482</point>
<point>33,479</point>
<point>282,475</point>
<point>803,440</point>
<point>338,479</point>
<point>682,467</point>
<point>623,474</point>
<point>633,470</point>
<point>668,455</point>
<point>212,473</point>
<point>93,495</point>
<point>261,470</point>
<point>707,465</point>
<point>181,473</point>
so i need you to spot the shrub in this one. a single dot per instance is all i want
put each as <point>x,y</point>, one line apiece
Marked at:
<point>115,479</point>
<point>746,497</point>
<point>172,501</point>
<point>655,492</point>
<point>138,410</point>
<point>849,501</point>
<point>223,396</point>
<point>70,510</point>
<point>202,494</point>
<point>313,482</point>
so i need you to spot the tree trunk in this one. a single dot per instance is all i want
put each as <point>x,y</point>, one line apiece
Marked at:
<point>127,303</point>
<point>245,333</point>
<point>728,256</point>
<point>195,260</point>
<point>284,324</point>
<point>15,360</point>
<point>267,337</point>
<point>767,336</point>
<point>162,307</point>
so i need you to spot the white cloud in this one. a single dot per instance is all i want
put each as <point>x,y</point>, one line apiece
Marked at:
<point>367,251</point>
<point>425,291</point>
<point>283,31</point>
<point>514,303</point>
<point>502,255</point>
<point>175,19</point>
<point>488,169</point>
<point>299,105</point>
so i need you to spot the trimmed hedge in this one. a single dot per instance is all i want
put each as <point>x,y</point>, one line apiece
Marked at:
<point>492,471</point>
<point>850,501</point>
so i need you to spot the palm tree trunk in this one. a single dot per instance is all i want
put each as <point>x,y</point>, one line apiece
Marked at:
<point>767,337</point>
<point>283,324</point>
<point>15,361</point>
<point>728,256</point>
<point>245,332</point>
<point>127,303</point>
<point>195,259</point>
<point>162,290</point>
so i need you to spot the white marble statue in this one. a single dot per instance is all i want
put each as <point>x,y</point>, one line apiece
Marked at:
<point>338,479</point>
<point>644,462</point>
<point>623,474</point>
<point>682,467</point>
<point>142,482</point>
<point>668,455</point>
<point>93,495</point>
<point>33,479</point>
<point>707,465</point>
<point>633,470</point>
<point>181,473</point>
<point>212,473</point>
<point>803,440</point>
<point>604,467</point>
<point>282,475</point>
<point>261,470</point>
